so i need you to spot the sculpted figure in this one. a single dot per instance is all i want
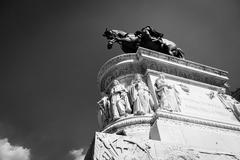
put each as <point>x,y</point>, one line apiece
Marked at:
<point>149,33</point>
<point>152,39</point>
<point>236,109</point>
<point>230,103</point>
<point>167,95</point>
<point>119,100</point>
<point>104,115</point>
<point>147,37</point>
<point>140,96</point>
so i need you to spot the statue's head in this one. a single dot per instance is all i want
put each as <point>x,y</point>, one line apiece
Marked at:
<point>138,78</point>
<point>137,33</point>
<point>160,80</point>
<point>115,82</point>
<point>146,28</point>
<point>161,76</point>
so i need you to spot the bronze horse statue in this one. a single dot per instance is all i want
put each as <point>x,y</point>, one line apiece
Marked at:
<point>129,42</point>
<point>147,38</point>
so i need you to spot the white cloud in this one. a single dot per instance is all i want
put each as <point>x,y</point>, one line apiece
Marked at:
<point>10,152</point>
<point>78,154</point>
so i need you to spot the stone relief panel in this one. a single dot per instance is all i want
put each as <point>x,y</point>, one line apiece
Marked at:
<point>141,96</point>
<point>231,104</point>
<point>188,97</point>
<point>115,147</point>
<point>104,111</point>
<point>171,69</point>
<point>119,100</point>
<point>120,148</point>
<point>167,95</point>
<point>132,97</point>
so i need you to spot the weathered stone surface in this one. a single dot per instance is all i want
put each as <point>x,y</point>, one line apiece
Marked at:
<point>195,135</point>
<point>144,59</point>
<point>192,99</point>
<point>190,116</point>
<point>115,147</point>
<point>196,99</point>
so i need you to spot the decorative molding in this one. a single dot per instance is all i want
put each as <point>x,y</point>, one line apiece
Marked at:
<point>147,59</point>
<point>184,80</point>
<point>189,70</point>
<point>150,119</point>
<point>128,121</point>
<point>118,71</point>
<point>181,61</point>
<point>113,62</point>
<point>194,120</point>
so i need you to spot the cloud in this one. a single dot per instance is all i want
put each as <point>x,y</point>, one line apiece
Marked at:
<point>10,152</point>
<point>78,154</point>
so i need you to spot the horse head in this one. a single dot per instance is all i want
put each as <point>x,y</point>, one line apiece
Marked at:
<point>108,34</point>
<point>111,37</point>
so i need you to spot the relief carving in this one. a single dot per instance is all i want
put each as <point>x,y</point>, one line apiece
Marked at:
<point>121,102</point>
<point>181,155</point>
<point>211,95</point>
<point>104,114</point>
<point>114,147</point>
<point>230,103</point>
<point>167,95</point>
<point>141,96</point>
<point>121,148</point>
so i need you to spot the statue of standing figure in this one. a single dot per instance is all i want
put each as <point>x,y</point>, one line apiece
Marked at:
<point>168,96</point>
<point>104,114</point>
<point>141,97</point>
<point>119,101</point>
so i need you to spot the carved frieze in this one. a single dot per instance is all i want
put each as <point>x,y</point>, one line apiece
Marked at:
<point>146,59</point>
<point>230,103</point>
<point>167,95</point>
<point>121,101</point>
<point>181,61</point>
<point>120,148</point>
<point>115,147</point>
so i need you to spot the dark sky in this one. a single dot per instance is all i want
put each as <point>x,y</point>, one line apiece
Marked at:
<point>51,52</point>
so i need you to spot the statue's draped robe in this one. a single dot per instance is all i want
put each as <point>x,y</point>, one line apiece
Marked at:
<point>141,98</point>
<point>168,97</point>
<point>104,114</point>
<point>119,101</point>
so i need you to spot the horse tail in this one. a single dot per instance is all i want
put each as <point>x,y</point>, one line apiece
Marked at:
<point>180,53</point>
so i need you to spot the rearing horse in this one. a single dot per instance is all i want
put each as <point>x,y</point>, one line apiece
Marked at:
<point>129,42</point>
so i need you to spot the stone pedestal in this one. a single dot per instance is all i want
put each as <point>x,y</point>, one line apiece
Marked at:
<point>191,118</point>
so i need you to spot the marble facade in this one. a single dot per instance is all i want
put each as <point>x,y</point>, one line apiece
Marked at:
<point>189,115</point>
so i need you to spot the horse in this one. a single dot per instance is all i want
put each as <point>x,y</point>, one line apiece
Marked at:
<point>128,41</point>
<point>172,48</point>
<point>154,40</point>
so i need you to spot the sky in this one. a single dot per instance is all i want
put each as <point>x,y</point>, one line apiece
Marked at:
<point>51,52</point>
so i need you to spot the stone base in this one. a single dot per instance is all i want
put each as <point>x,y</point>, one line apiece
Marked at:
<point>115,147</point>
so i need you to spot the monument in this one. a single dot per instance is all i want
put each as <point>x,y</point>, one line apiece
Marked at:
<point>156,105</point>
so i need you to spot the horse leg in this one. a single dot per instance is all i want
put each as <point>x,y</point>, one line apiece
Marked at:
<point>171,50</point>
<point>110,43</point>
